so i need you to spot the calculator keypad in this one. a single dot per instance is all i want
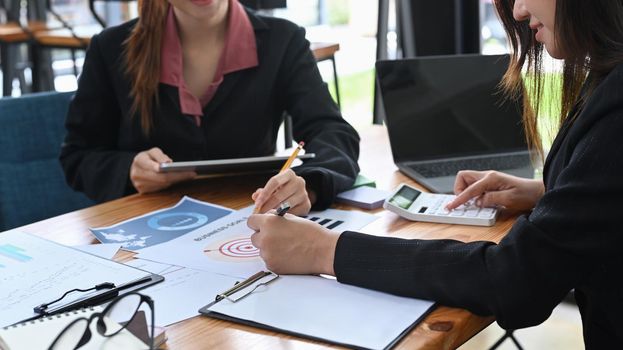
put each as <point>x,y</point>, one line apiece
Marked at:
<point>431,207</point>
<point>437,206</point>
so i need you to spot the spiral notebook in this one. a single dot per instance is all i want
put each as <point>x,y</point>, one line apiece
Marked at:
<point>20,336</point>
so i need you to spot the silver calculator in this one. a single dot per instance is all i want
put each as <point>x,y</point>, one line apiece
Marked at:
<point>415,205</point>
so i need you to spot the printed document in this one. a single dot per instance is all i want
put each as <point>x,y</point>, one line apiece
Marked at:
<point>162,225</point>
<point>225,247</point>
<point>34,271</point>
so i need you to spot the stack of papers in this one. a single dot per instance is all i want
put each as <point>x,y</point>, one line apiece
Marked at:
<point>34,271</point>
<point>203,249</point>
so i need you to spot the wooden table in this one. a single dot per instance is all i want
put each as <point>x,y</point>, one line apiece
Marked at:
<point>444,328</point>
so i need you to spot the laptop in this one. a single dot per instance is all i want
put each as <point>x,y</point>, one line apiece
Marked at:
<point>447,113</point>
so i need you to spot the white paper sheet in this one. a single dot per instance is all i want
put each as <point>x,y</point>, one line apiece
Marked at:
<point>103,250</point>
<point>221,247</point>
<point>152,266</point>
<point>184,292</point>
<point>341,220</point>
<point>35,271</point>
<point>326,309</point>
<point>225,247</point>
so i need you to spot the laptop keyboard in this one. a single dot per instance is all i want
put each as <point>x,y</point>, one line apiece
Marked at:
<point>451,167</point>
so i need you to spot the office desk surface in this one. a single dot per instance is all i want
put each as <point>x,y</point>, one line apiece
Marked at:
<point>444,328</point>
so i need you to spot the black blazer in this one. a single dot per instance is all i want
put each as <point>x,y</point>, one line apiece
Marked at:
<point>572,239</point>
<point>241,121</point>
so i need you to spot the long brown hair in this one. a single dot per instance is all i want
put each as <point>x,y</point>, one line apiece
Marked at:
<point>588,33</point>
<point>142,57</point>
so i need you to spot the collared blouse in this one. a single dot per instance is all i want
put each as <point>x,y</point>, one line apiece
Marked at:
<point>239,52</point>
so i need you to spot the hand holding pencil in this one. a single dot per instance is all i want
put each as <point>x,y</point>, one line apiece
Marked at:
<point>285,186</point>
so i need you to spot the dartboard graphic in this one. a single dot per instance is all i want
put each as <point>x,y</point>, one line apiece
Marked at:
<point>239,248</point>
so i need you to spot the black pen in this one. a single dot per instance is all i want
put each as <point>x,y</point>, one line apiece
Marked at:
<point>283,208</point>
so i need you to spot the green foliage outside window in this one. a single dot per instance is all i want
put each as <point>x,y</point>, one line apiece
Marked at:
<point>339,12</point>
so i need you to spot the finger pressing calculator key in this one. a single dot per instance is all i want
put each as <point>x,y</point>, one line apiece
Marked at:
<point>415,205</point>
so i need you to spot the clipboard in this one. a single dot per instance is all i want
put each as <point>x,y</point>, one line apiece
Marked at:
<point>48,278</point>
<point>95,299</point>
<point>328,312</point>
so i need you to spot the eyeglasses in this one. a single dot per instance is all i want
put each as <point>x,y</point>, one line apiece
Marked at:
<point>122,313</point>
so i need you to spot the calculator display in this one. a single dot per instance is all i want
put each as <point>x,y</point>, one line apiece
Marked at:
<point>405,197</point>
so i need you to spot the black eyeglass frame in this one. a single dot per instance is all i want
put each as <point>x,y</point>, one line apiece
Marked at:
<point>101,325</point>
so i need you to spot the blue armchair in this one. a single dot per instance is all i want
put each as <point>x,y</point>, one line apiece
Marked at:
<point>32,183</point>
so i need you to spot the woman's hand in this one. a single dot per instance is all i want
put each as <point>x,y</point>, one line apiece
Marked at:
<point>292,245</point>
<point>285,186</point>
<point>492,188</point>
<point>145,175</point>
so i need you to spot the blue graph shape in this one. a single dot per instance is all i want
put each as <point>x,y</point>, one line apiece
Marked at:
<point>177,221</point>
<point>14,253</point>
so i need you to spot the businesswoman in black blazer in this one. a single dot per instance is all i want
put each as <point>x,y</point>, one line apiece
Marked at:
<point>571,239</point>
<point>203,79</point>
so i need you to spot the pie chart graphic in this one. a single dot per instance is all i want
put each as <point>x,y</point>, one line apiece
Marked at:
<point>177,221</point>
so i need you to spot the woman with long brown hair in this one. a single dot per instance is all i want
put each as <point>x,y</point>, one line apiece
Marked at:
<point>203,79</point>
<point>570,239</point>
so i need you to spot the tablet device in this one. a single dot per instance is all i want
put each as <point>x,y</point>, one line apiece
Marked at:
<point>235,165</point>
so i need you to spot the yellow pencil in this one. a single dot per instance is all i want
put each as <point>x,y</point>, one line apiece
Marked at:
<point>286,166</point>
<point>295,153</point>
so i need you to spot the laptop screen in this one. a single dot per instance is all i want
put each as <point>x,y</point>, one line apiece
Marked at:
<point>448,106</point>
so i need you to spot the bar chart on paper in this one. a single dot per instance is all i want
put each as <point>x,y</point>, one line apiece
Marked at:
<point>341,220</point>
<point>10,254</point>
<point>326,222</point>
